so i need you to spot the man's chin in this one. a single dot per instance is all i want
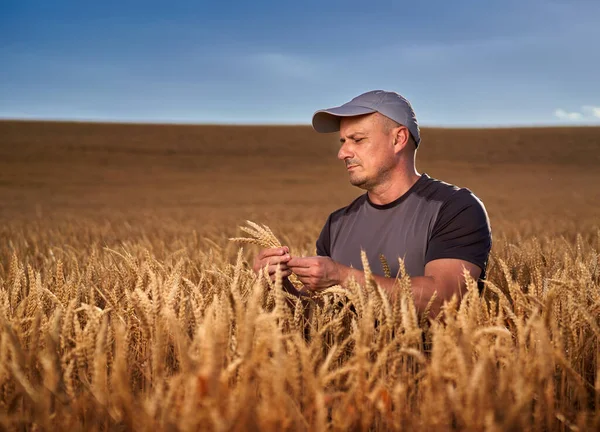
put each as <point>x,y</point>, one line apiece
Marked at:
<point>358,182</point>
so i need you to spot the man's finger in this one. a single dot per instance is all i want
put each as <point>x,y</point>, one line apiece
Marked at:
<point>307,281</point>
<point>266,253</point>
<point>278,259</point>
<point>301,262</point>
<point>273,268</point>
<point>301,271</point>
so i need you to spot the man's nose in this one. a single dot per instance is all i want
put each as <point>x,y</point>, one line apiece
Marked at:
<point>344,152</point>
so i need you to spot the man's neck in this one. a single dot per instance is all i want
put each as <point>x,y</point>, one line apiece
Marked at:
<point>394,187</point>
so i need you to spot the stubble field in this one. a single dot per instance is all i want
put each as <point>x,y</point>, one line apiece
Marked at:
<point>124,306</point>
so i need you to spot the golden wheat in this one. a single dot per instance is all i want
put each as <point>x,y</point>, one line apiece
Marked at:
<point>181,335</point>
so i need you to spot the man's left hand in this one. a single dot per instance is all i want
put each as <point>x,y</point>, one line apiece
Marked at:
<point>317,272</point>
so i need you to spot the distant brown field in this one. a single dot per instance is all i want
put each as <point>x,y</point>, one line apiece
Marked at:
<point>124,306</point>
<point>541,174</point>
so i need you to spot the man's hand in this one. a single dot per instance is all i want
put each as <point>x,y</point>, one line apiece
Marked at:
<point>316,272</point>
<point>272,258</point>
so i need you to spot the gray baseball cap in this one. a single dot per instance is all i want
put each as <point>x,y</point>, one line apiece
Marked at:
<point>390,104</point>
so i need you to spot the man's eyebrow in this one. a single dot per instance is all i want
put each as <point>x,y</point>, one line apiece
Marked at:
<point>352,136</point>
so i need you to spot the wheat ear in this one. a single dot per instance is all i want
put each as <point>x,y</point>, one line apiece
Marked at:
<point>264,237</point>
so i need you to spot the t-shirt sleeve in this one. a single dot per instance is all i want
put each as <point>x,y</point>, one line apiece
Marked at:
<point>324,240</point>
<point>461,231</point>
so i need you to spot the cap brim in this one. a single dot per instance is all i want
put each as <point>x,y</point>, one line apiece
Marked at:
<point>328,120</point>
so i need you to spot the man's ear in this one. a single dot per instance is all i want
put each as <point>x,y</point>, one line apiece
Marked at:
<point>401,138</point>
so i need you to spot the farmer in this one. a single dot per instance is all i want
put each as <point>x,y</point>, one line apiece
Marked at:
<point>438,229</point>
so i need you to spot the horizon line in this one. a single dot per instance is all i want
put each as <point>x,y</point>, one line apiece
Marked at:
<point>4,119</point>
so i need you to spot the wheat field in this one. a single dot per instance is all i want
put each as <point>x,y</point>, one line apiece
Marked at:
<point>126,306</point>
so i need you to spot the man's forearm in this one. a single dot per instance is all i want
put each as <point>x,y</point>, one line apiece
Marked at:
<point>423,288</point>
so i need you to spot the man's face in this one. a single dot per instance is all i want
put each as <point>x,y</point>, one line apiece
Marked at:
<point>367,148</point>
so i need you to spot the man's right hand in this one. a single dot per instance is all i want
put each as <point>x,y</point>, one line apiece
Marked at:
<point>272,258</point>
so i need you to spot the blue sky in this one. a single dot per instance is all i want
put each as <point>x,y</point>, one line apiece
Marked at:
<point>461,63</point>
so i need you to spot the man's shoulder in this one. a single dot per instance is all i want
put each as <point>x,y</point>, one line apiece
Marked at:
<point>448,193</point>
<point>350,208</point>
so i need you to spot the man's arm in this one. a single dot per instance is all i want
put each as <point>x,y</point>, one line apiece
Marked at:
<point>444,276</point>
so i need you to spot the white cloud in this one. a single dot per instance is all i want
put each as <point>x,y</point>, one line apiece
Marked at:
<point>586,113</point>
<point>564,115</point>
<point>593,111</point>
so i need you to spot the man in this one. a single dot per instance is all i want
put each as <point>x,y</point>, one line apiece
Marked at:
<point>437,229</point>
